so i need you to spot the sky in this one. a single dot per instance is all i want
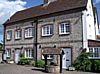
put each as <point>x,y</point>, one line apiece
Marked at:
<point>9,7</point>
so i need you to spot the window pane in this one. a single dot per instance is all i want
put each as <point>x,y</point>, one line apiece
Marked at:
<point>67,27</point>
<point>28,32</point>
<point>9,35</point>
<point>64,28</point>
<point>96,53</point>
<point>28,53</point>
<point>47,30</point>
<point>8,51</point>
<point>18,34</point>
<point>91,52</point>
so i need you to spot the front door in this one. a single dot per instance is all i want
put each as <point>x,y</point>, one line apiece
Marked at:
<point>17,55</point>
<point>66,59</point>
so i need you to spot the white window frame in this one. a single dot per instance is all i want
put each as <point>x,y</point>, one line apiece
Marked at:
<point>63,30</point>
<point>9,35</point>
<point>8,53</point>
<point>28,53</point>
<point>18,34</point>
<point>47,30</point>
<point>94,52</point>
<point>29,32</point>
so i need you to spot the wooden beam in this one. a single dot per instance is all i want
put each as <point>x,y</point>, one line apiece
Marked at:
<point>45,57</point>
<point>60,63</point>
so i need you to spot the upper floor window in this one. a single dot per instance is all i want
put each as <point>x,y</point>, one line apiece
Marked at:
<point>47,30</point>
<point>29,53</point>
<point>9,35</point>
<point>28,32</point>
<point>18,34</point>
<point>64,28</point>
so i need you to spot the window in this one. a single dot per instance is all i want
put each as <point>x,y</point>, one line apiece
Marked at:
<point>18,34</point>
<point>48,57</point>
<point>47,30</point>
<point>9,35</point>
<point>28,32</point>
<point>29,53</point>
<point>8,52</point>
<point>94,52</point>
<point>64,28</point>
<point>91,52</point>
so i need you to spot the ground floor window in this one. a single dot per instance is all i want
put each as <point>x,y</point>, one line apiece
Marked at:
<point>28,53</point>
<point>48,57</point>
<point>8,53</point>
<point>94,53</point>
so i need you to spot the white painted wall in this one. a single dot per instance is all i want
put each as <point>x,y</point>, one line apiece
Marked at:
<point>96,24</point>
<point>89,31</point>
<point>91,34</point>
<point>84,21</point>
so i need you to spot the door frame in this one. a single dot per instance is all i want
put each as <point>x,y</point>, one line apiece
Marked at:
<point>70,51</point>
<point>15,53</point>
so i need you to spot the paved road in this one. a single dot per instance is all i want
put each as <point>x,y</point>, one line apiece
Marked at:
<point>17,69</point>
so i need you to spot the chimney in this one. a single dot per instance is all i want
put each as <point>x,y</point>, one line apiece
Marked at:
<point>48,1</point>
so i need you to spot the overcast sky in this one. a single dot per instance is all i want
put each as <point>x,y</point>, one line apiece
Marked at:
<point>9,7</point>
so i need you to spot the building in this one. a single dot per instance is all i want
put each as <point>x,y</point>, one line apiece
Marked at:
<point>70,25</point>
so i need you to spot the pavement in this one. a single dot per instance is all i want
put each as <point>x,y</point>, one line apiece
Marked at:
<point>18,69</point>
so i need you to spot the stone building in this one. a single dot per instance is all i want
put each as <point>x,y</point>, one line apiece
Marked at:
<point>65,24</point>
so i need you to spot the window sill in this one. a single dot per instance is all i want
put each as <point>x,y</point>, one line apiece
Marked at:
<point>62,34</point>
<point>28,37</point>
<point>8,39</point>
<point>94,57</point>
<point>48,58</point>
<point>29,57</point>
<point>47,35</point>
<point>18,39</point>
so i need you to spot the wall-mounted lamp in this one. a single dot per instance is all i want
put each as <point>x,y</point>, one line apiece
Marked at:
<point>54,46</point>
<point>63,52</point>
<point>53,19</point>
<point>39,46</point>
<point>22,47</point>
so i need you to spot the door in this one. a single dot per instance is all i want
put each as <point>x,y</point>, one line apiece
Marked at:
<point>66,59</point>
<point>17,55</point>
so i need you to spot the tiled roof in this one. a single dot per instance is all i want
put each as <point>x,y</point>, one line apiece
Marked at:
<point>53,7</point>
<point>51,51</point>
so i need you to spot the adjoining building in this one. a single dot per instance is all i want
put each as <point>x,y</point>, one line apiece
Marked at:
<point>70,25</point>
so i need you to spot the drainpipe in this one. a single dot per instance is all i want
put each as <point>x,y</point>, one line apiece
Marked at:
<point>3,42</point>
<point>82,30</point>
<point>36,27</point>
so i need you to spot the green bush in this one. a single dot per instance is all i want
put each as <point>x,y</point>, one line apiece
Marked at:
<point>82,62</point>
<point>40,64</point>
<point>24,61</point>
<point>95,65</point>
